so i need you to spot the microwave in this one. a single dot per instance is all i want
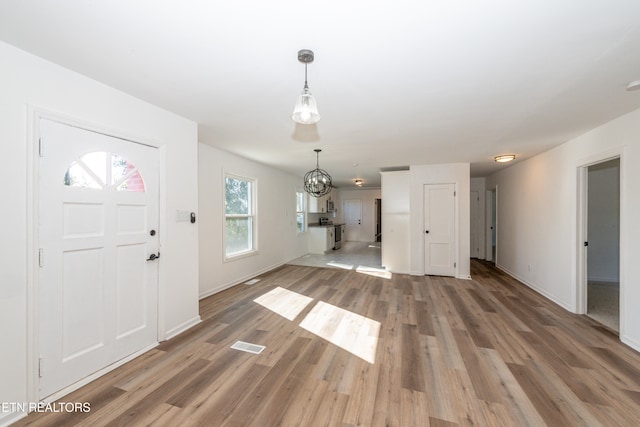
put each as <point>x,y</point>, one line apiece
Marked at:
<point>330,207</point>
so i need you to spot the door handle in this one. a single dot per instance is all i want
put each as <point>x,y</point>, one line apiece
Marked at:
<point>153,257</point>
<point>426,231</point>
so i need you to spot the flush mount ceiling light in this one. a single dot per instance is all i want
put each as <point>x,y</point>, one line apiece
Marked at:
<point>358,182</point>
<point>318,181</point>
<point>504,158</point>
<point>306,109</point>
<point>633,86</point>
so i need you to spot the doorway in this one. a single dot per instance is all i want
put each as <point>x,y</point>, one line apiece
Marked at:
<point>602,242</point>
<point>491,243</point>
<point>98,239</point>
<point>378,220</point>
<point>475,226</point>
<point>353,220</point>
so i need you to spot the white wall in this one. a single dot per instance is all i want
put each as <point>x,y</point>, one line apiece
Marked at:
<point>368,198</point>
<point>537,217</point>
<point>604,222</point>
<point>396,247</point>
<point>26,83</point>
<point>455,173</point>
<point>278,239</point>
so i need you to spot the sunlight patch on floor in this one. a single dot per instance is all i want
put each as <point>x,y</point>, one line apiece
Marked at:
<point>287,304</point>
<point>372,271</point>
<point>354,333</point>
<point>339,265</point>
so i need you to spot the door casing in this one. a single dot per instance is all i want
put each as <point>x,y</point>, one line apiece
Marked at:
<point>580,289</point>
<point>34,115</point>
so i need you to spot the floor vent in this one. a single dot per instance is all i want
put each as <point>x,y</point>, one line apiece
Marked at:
<point>252,282</point>
<point>248,347</point>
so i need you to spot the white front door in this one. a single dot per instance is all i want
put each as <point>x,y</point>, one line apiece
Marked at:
<point>98,226</point>
<point>352,220</point>
<point>439,229</point>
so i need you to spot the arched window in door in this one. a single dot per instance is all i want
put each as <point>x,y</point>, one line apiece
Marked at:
<point>104,171</point>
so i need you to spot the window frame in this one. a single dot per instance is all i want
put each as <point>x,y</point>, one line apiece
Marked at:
<point>252,215</point>
<point>303,211</point>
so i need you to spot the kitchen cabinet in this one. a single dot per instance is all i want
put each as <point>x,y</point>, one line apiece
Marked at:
<point>321,239</point>
<point>318,204</point>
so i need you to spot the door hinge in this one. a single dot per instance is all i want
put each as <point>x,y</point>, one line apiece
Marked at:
<point>40,367</point>
<point>454,265</point>
<point>40,257</point>
<point>40,148</point>
<point>454,194</point>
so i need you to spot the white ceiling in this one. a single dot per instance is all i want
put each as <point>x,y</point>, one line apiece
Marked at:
<point>397,83</point>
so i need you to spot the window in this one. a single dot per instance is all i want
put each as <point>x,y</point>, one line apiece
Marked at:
<point>301,224</point>
<point>101,171</point>
<point>239,215</point>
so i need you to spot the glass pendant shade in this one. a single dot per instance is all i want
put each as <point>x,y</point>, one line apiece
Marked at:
<point>306,109</point>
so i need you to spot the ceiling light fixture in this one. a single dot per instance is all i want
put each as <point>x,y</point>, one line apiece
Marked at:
<point>358,182</point>
<point>318,181</point>
<point>504,158</point>
<point>306,109</point>
<point>635,85</point>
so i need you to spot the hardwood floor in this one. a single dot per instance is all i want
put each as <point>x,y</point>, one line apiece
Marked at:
<point>485,352</point>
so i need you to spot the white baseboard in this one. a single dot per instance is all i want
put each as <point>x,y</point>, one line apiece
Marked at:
<point>633,343</point>
<point>537,289</point>
<point>86,380</point>
<point>241,280</point>
<point>182,327</point>
<point>8,418</point>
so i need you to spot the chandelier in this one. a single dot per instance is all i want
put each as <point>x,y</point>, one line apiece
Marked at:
<point>318,181</point>
<point>306,109</point>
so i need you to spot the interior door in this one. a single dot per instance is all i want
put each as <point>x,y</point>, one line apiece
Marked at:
<point>98,227</point>
<point>475,224</point>
<point>353,220</point>
<point>439,229</point>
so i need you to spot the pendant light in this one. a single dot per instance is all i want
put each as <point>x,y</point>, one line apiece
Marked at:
<point>318,181</point>
<point>306,109</point>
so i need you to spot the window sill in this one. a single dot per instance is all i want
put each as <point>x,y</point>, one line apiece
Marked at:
<point>241,255</point>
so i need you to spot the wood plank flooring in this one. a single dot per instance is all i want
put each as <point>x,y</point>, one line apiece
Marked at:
<point>481,352</point>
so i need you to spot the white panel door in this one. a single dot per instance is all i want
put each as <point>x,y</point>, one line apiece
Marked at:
<point>98,225</point>
<point>353,220</point>
<point>439,229</point>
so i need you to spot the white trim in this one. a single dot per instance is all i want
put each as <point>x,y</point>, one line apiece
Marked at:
<point>535,288</point>
<point>86,380</point>
<point>33,190</point>
<point>75,386</point>
<point>182,327</point>
<point>253,215</point>
<point>163,226</point>
<point>631,342</point>
<point>8,418</point>
<point>242,279</point>
<point>579,291</point>
<point>34,116</point>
